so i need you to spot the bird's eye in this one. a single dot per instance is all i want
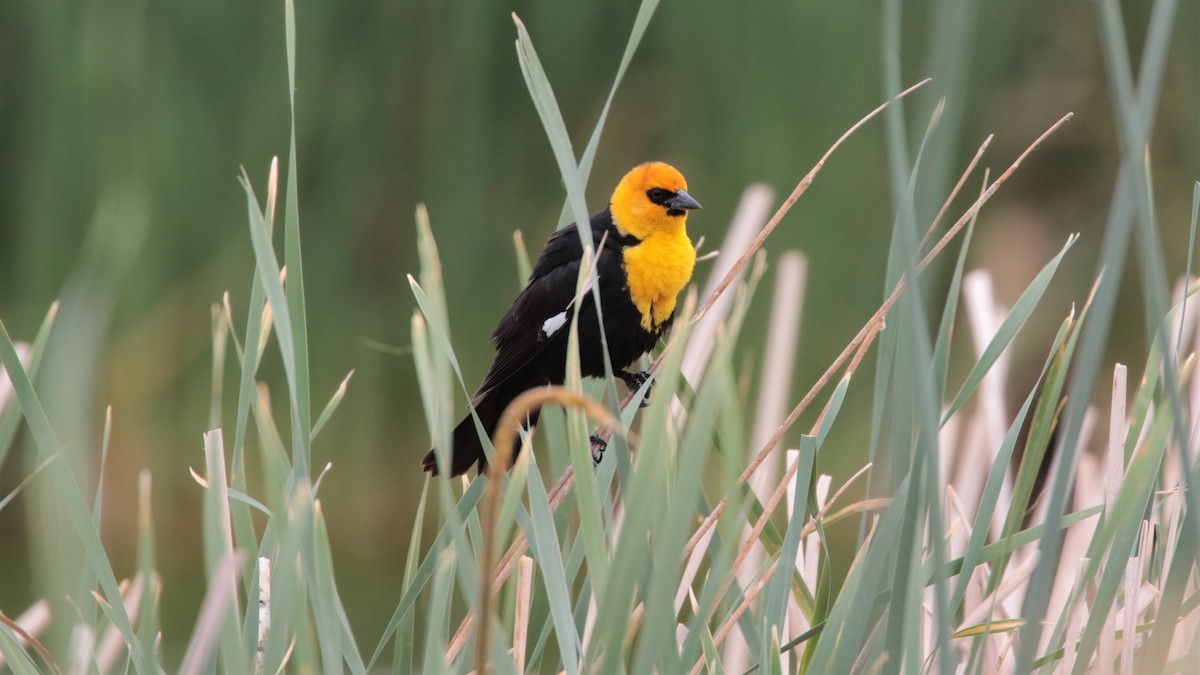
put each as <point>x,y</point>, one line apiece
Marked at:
<point>658,195</point>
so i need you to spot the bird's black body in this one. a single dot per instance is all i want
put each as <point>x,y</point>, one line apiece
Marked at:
<point>532,338</point>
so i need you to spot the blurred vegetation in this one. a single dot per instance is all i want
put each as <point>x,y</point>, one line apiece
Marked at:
<point>122,127</point>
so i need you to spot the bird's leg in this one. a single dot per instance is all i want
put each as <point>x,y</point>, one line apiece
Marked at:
<point>599,445</point>
<point>635,380</point>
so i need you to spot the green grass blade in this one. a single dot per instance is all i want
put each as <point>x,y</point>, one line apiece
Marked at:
<point>218,536</point>
<point>10,415</point>
<point>989,628</point>
<point>952,37</point>
<point>425,570</point>
<point>587,486</point>
<point>321,590</point>
<point>1011,325</point>
<point>437,358</point>
<point>543,546</point>
<point>560,142</point>
<point>218,542</point>
<point>785,575</point>
<point>15,657</point>
<point>1174,579</point>
<point>284,541</point>
<point>915,434</point>
<point>267,266</point>
<point>712,658</point>
<point>331,614</point>
<point>853,611</point>
<point>774,663</point>
<point>148,625</point>
<point>1187,270</point>
<point>541,607</point>
<point>247,399</point>
<point>1136,491</point>
<point>512,510</point>
<point>640,22</point>
<point>995,480</point>
<point>1004,546</point>
<point>29,478</point>
<point>437,361</point>
<point>239,497</point>
<point>941,346</point>
<point>296,309</point>
<point>70,496</point>
<point>1172,607</point>
<point>219,605</point>
<point>902,244</point>
<point>930,571</point>
<point>556,130</point>
<point>402,661</point>
<point>1136,114</point>
<point>775,605</point>
<point>1037,444</point>
<point>657,644</point>
<point>86,603</point>
<point>880,387</point>
<point>334,402</point>
<point>243,526</point>
<point>1089,354</point>
<point>273,455</point>
<point>642,495</point>
<point>439,614</point>
<point>220,332</point>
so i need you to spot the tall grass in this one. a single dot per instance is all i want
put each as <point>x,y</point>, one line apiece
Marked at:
<point>988,541</point>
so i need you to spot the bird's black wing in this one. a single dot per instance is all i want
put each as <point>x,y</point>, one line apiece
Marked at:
<point>523,331</point>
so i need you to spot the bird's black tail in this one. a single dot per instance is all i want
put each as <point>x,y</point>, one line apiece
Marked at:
<point>468,449</point>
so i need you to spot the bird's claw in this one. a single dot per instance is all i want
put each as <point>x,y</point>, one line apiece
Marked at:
<point>635,380</point>
<point>599,445</point>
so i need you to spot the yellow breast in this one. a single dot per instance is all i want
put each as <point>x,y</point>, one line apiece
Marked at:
<point>657,269</point>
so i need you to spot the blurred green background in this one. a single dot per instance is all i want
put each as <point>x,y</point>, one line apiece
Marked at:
<point>123,126</point>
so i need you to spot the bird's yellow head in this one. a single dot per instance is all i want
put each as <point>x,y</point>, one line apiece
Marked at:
<point>652,198</point>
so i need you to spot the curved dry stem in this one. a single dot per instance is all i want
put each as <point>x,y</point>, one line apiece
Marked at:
<point>504,438</point>
<point>38,647</point>
<point>962,179</point>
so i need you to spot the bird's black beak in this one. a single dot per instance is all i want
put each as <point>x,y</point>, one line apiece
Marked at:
<point>682,201</point>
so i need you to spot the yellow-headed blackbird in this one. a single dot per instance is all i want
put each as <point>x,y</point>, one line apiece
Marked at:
<point>645,262</point>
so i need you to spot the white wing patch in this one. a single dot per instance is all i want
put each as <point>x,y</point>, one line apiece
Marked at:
<point>555,323</point>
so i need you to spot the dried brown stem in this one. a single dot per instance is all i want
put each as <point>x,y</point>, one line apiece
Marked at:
<point>32,641</point>
<point>954,193</point>
<point>751,596</point>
